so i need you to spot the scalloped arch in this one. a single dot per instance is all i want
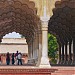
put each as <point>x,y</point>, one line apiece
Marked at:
<point>22,14</point>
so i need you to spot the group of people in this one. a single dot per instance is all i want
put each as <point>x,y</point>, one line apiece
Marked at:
<point>16,58</point>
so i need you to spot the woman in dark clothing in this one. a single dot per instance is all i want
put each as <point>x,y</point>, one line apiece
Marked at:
<point>13,61</point>
<point>8,58</point>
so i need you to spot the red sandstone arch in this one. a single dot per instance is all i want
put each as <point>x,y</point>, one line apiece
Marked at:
<point>21,17</point>
<point>62,22</point>
<point>62,25</point>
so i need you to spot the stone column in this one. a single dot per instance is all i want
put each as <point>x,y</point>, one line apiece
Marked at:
<point>59,53</point>
<point>66,58</point>
<point>70,54</point>
<point>34,48</point>
<point>44,59</point>
<point>29,55</point>
<point>62,53</point>
<point>40,49</point>
<point>31,50</point>
<point>73,51</point>
<point>37,45</point>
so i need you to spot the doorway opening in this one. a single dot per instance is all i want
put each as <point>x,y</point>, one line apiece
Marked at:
<point>11,43</point>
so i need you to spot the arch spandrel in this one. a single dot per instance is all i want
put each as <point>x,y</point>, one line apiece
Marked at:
<point>18,3</point>
<point>27,33</point>
<point>63,3</point>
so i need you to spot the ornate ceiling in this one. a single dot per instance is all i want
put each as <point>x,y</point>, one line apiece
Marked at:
<point>19,16</point>
<point>62,23</point>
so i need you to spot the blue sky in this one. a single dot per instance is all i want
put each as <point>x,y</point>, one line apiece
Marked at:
<point>12,35</point>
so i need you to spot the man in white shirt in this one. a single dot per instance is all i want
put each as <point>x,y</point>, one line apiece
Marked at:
<point>19,58</point>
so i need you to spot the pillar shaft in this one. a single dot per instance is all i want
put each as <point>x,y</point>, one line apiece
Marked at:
<point>74,51</point>
<point>59,53</point>
<point>62,52</point>
<point>44,44</point>
<point>70,55</point>
<point>36,47</point>
<point>40,49</point>
<point>29,51</point>
<point>44,59</point>
<point>66,58</point>
<point>32,49</point>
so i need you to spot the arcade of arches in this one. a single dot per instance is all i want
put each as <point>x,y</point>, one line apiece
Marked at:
<point>34,19</point>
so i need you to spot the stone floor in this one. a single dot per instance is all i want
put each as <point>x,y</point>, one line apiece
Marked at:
<point>25,70</point>
<point>64,70</point>
<point>32,70</point>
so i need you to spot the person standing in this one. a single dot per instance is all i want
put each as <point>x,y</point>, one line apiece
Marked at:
<point>13,61</point>
<point>16,58</point>
<point>8,58</point>
<point>19,58</point>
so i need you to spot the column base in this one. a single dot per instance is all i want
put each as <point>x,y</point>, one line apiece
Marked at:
<point>44,63</point>
<point>73,62</point>
<point>66,62</point>
<point>59,62</point>
<point>70,62</point>
<point>62,62</point>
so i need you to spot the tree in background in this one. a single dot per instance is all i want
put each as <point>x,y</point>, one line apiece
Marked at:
<point>52,48</point>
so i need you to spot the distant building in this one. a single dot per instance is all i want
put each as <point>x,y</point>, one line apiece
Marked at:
<point>12,45</point>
